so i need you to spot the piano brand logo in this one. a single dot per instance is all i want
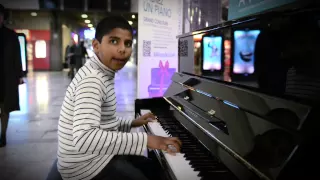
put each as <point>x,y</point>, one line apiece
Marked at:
<point>190,113</point>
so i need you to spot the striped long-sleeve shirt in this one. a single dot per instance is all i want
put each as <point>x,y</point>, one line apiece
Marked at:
<point>89,132</point>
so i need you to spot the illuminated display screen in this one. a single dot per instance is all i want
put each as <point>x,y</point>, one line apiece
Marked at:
<point>244,44</point>
<point>212,53</point>
<point>41,49</point>
<point>89,34</point>
<point>22,42</point>
<point>75,37</point>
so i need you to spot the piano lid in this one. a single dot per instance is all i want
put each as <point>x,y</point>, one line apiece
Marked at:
<point>259,130</point>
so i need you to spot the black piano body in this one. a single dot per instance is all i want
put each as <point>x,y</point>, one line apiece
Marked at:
<point>254,135</point>
<point>247,132</point>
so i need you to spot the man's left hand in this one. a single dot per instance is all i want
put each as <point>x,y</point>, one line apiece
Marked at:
<point>143,120</point>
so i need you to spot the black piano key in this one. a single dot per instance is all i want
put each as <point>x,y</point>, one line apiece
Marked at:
<point>203,161</point>
<point>200,158</point>
<point>188,142</point>
<point>193,150</point>
<point>211,173</point>
<point>192,157</point>
<point>188,146</point>
<point>208,166</point>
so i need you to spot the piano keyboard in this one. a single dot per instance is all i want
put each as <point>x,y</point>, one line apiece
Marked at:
<point>194,162</point>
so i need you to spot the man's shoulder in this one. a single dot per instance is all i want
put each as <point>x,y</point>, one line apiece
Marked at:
<point>96,71</point>
<point>92,74</point>
<point>10,32</point>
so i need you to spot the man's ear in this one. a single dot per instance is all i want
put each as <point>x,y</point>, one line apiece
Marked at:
<point>96,45</point>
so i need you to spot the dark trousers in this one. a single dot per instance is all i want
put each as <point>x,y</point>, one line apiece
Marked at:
<point>4,116</point>
<point>71,70</point>
<point>79,63</point>
<point>131,168</point>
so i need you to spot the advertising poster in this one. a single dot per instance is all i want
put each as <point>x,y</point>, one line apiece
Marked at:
<point>159,24</point>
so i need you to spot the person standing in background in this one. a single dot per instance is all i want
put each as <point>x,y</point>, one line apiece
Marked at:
<point>11,74</point>
<point>84,52</point>
<point>72,59</point>
<point>66,56</point>
<point>80,53</point>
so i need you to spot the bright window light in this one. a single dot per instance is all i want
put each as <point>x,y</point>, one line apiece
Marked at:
<point>41,49</point>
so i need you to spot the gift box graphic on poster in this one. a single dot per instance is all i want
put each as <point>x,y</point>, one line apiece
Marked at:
<point>160,79</point>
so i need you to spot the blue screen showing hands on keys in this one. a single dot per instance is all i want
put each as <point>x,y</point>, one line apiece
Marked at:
<point>212,53</point>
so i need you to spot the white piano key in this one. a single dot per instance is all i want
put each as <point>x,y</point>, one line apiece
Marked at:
<point>179,165</point>
<point>144,111</point>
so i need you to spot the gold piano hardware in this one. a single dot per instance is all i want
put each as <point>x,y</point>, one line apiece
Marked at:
<point>212,112</point>
<point>189,87</point>
<point>179,107</point>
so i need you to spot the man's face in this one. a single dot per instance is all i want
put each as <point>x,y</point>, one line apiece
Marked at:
<point>115,48</point>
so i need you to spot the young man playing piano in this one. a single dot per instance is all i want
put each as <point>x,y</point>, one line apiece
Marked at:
<point>93,142</point>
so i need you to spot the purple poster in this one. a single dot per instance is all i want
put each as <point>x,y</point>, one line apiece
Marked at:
<point>160,79</point>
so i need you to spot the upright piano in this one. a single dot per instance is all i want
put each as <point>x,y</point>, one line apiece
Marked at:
<point>263,127</point>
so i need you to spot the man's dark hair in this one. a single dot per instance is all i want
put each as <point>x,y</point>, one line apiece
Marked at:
<point>106,25</point>
<point>2,9</point>
<point>3,12</point>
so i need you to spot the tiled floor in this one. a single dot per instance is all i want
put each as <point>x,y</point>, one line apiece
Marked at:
<point>32,132</point>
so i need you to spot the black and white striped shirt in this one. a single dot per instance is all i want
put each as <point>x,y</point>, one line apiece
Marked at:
<point>89,132</point>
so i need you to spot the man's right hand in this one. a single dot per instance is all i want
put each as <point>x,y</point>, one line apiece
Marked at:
<point>162,143</point>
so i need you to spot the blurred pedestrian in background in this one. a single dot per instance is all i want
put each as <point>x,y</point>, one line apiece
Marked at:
<point>11,74</point>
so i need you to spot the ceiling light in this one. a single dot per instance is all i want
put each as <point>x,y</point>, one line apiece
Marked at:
<point>90,25</point>
<point>87,21</point>
<point>34,14</point>
<point>84,16</point>
<point>130,22</point>
<point>92,28</point>
<point>133,16</point>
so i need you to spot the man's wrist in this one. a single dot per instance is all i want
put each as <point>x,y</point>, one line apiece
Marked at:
<point>133,123</point>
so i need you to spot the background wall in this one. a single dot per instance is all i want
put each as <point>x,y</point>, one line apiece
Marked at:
<point>56,42</point>
<point>198,14</point>
<point>134,6</point>
<point>23,20</point>
<point>20,4</point>
<point>66,38</point>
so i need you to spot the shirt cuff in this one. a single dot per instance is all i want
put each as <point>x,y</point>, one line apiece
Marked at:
<point>144,143</point>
